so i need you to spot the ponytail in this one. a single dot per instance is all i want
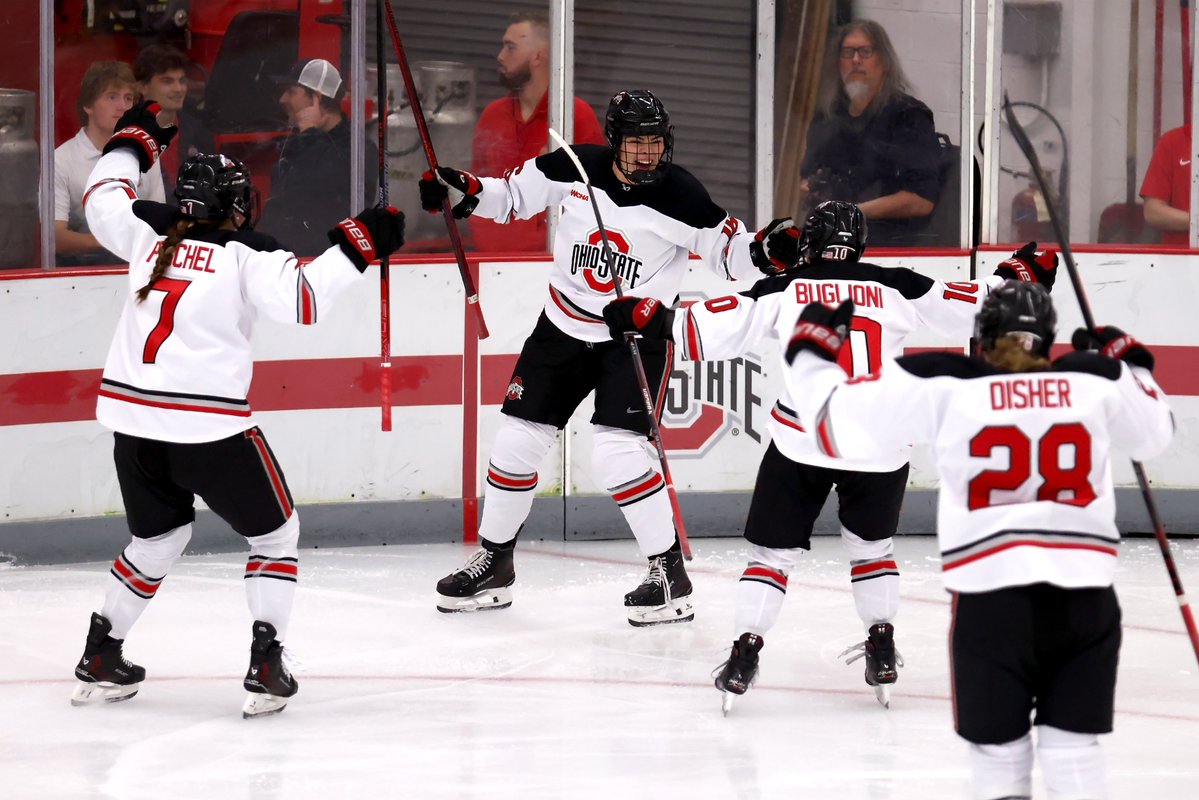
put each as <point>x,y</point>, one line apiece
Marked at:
<point>166,255</point>
<point>1009,353</point>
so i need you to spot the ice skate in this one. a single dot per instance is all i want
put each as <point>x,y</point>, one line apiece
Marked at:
<point>665,594</point>
<point>268,680</point>
<point>105,676</point>
<point>882,660</point>
<point>738,673</point>
<point>482,584</point>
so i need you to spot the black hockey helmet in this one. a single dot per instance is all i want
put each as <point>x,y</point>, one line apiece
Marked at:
<point>1017,308</point>
<point>213,187</point>
<point>834,231</point>
<point>637,112</point>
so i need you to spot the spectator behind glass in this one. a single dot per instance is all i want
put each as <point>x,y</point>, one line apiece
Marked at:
<point>107,91</point>
<point>161,73</point>
<point>311,182</point>
<point>871,143</point>
<point>1167,187</point>
<point>515,128</point>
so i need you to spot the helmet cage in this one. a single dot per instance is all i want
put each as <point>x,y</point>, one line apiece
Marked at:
<point>634,113</point>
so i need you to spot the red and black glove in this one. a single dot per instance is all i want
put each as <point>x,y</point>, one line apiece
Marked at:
<point>647,316</point>
<point>775,248</point>
<point>1027,265</point>
<point>373,234</point>
<point>461,188</point>
<point>138,130</point>
<point>821,329</point>
<point>1112,342</point>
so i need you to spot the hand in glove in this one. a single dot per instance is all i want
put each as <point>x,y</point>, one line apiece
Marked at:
<point>775,248</point>
<point>138,130</point>
<point>821,330</point>
<point>461,188</point>
<point>1026,264</point>
<point>647,316</point>
<point>375,233</point>
<point>1113,343</point>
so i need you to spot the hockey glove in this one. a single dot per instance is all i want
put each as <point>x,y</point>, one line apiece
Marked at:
<point>775,248</point>
<point>647,316</point>
<point>461,188</point>
<point>821,329</point>
<point>138,130</point>
<point>1026,264</point>
<point>375,233</point>
<point>1113,343</point>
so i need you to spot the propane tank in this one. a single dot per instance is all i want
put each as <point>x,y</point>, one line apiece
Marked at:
<point>18,179</point>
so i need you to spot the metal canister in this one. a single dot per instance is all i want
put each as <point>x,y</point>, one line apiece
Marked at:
<point>18,179</point>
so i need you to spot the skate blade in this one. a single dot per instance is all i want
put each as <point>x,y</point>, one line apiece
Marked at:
<point>882,693</point>
<point>726,703</point>
<point>645,616</point>
<point>262,705</point>
<point>87,694</point>
<point>490,600</point>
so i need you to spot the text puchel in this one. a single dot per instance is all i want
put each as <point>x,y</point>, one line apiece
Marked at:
<point>188,255</point>
<point>834,293</point>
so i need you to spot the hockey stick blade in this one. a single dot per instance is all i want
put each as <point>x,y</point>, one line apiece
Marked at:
<point>1159,530</point>
<point>638,364</point>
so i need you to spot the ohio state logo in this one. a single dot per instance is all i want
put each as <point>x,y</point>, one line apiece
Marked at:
<point>588,258</point>
<point>708,400</point>
<point>516,389</point>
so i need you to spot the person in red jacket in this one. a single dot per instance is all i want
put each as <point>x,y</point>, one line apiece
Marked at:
<point>1167,187</point>
<point>515,128</point>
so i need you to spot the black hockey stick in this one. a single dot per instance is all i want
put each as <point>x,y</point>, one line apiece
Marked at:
<point>468,282</point>
<point>1089,320</point>
<point>638,364</point>
<point>384,264</point>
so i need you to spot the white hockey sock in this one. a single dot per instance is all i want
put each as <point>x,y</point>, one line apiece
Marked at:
<point>623,463</point>
<point>271,574</point>
<point>874,577</point>
<point>520,447</point>
<point>762,588</point>
<point>1071,763</point>
<point>1001,770</point>
<point>136,575</point>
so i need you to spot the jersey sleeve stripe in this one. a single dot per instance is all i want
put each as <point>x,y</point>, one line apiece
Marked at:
<point>305,300</point>
<point>693,346</point>
<point>787,416</point>
<point>126,184</point>
<point>824,433</point>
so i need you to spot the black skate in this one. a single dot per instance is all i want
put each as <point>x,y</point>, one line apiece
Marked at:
<point>268,680</point>
<point>103,672</point>
<point>882,660</point>
<point>736,675</point>
<point>483,583</point>
<point>665,594</point>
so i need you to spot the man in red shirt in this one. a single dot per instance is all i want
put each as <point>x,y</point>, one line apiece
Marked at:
<point>515,128</point>
<point>1167,187</point>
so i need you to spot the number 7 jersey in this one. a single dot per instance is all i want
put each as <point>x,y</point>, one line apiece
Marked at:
<point>890,303</point>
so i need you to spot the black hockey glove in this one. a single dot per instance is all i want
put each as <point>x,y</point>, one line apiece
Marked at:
<point>821,329</point>
<point>775,248</point>
<point>1113,343</point>
<point>375,233</point>
<point>138,130</point>
<point>1027,265</point>
<point>461,188</point>
<point>647,316</point>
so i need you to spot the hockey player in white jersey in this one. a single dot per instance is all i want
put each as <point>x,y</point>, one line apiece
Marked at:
<point>795,478</point>
<point>175,384</point>
<point>656,213</point>
<point>1025,516</point>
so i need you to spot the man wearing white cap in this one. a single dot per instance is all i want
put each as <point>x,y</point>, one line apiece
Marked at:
<point>311,182</point>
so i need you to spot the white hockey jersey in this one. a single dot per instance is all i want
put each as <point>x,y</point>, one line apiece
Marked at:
<point>890,304</point>
<point>652,230</point>
<point>1024,457</point>
<point>180,363</point>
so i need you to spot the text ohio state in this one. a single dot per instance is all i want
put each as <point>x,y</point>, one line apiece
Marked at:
<point>590,256</point>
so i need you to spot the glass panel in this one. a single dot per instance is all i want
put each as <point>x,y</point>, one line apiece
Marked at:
<point>19,151</point>
<point>484,95</point>
<point>874,108</point>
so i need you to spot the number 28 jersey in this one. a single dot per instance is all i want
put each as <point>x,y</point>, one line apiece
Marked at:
<point>890,303</point>
<point>180,363</point>
<point>1024,457</point>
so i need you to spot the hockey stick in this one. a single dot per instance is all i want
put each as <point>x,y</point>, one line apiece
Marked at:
<point>1159,530</point>
<point>384,263</point>
<point>468,283</point>
<point>638,365</point>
